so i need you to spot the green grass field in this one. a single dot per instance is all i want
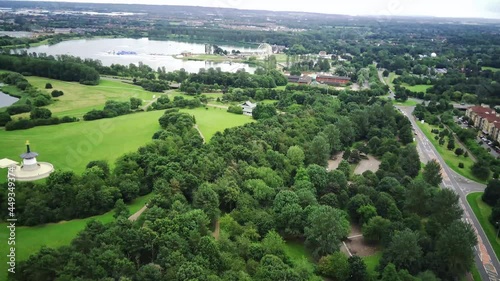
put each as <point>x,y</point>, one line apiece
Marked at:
<point>390,80</point>
<point>475,273</point>
<point>482,211</point>
<point>30,239</point>
<point>417,88</point>
<point>449,156</point>
<point>213,120</point>
<point>298,252</point>
<point>71,146</point>
<point>406,103</point>
<point>372,262</point>
<point>78,98</point>
<point>494,69</point>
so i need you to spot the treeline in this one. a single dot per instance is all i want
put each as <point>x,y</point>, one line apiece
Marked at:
<point>50,68</point>
<point>197,82</point>
<point>263,182</point>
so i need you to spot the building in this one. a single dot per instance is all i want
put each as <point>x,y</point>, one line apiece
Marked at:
<point>293,78</point>
<point>248,107</point>
<point>485,119</point>
<point>333,80</point>
<point>305,80</point>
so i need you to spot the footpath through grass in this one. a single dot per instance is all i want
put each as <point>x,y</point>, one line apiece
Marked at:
<point>449,156</point>
<point>30,239</point>
<point>482,211</point>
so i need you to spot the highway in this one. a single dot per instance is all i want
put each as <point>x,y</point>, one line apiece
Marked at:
<point>486,260</point>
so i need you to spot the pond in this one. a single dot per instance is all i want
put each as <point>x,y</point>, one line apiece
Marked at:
<point>150,52</point>
<point>6,100</point>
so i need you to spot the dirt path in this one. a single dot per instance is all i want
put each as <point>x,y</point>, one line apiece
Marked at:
<point>135,216</point>
<point>371,164</point>
<point>335,161</point>
<point>201,134</point>
<point>216,233</point>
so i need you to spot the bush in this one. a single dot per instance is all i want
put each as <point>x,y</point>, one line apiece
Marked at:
<point>235,109</point>
<point>40,113</point>
<point>41,100</point>
<point>4,118</point>
<point>23,124</point>
<point>56,93</point>
<point>48,86</point>
<point>17,109</point>
<point>461,165</point>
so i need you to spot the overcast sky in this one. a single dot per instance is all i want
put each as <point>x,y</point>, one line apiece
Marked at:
<point>439,8</point>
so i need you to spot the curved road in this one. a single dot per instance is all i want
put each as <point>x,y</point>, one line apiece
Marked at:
<point>486,260</point>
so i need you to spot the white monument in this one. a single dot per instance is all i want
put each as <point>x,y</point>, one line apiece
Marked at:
<point>30,169</point>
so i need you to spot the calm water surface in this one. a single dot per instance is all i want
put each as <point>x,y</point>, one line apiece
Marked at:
<point>153,53</point>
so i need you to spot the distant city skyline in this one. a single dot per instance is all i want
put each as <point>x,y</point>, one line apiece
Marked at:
<point>433,8</point>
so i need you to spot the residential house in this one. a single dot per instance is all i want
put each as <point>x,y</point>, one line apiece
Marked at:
<point>248,107</point>
<point>333,80</point>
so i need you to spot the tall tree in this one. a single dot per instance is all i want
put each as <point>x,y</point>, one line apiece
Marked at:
<point>432,173</point>
<point>404,251</point>
<point>325,229</point>
<point>455,250</point>
<point>319,151</point>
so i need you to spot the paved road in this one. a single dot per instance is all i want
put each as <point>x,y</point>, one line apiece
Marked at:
<point>486,260</point>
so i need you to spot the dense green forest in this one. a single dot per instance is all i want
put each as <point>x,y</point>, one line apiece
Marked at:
<point>263,183</point>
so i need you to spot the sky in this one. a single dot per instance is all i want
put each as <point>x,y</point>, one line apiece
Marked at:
<point>437,8</point>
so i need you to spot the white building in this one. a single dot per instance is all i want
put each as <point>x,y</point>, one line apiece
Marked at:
<point>248,107</point>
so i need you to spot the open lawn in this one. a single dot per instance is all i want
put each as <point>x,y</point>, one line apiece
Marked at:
<point>482,211</point>
<point>417,88</point>
<point>449,156</point>
<point>407,103</point>
<point>297,252</point>
<point>372,262</point>
<point>78,98</point>
<point>494,69</point>
<point>30,239</point>
<point>213,120</point>
<point>390,80</point>
<point>71,146</point>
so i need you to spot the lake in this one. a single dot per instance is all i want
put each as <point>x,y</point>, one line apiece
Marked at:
<point>150,52</point>
<point>6,100</point>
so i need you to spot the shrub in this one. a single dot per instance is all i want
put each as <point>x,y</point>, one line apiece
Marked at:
<point>235,109</point>
<point>4,118</point>
<point>40,113</point>
<point>48,86</point>
<point>56,93</point>
<point>461,165</point>
<point>20,108</point>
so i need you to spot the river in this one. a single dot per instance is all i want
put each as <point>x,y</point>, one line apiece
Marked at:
<point>150,52</point>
